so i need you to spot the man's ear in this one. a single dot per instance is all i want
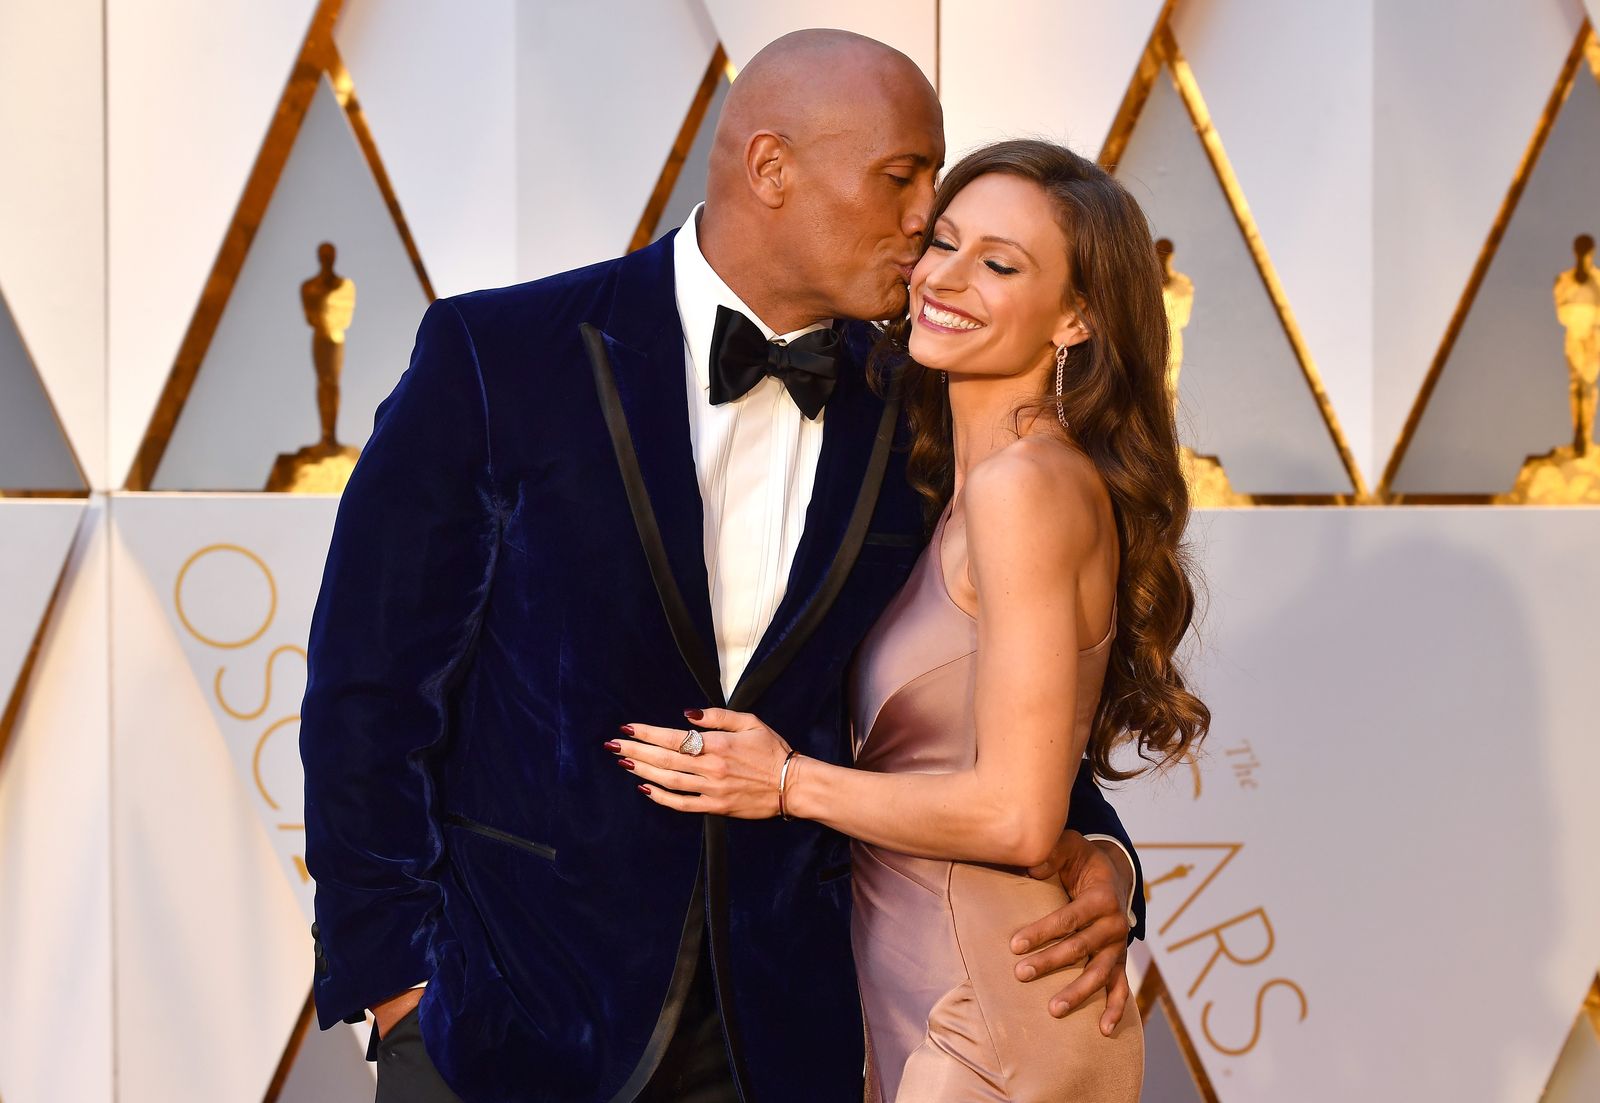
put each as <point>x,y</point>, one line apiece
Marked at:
<point>766,165</point>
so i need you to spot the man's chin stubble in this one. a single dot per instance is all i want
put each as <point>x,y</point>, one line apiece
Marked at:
<point>896,311</point>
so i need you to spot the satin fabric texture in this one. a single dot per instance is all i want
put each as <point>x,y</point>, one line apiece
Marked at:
<point>947,1018</point>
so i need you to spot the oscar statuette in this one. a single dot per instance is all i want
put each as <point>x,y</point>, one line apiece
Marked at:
<point>329,301</point>
<point>1208,482</point>
<point>1570,474</point>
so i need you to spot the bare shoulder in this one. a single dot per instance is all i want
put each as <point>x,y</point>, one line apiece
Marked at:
<point>1037,493</point>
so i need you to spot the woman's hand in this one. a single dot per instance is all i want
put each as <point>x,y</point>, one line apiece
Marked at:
<point>735,774</point>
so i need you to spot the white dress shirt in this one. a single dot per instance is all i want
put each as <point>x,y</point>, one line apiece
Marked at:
<point>756,458</point>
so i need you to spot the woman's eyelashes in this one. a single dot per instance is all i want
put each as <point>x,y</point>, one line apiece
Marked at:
<point>996,266</point>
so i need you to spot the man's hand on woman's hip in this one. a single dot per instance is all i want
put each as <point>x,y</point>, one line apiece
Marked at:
<point>1091,930</point>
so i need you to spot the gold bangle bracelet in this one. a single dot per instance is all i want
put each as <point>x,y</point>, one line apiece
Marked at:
<point>783,782</point>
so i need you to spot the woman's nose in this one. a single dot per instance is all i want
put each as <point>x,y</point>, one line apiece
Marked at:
<point>948,272</point>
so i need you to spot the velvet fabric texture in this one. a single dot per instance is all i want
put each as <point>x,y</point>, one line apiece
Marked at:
<point>486,621</point>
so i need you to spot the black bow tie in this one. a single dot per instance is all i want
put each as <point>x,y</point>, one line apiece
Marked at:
<point>741,357</point>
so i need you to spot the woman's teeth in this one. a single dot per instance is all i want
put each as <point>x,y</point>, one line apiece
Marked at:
<point>947,319</point>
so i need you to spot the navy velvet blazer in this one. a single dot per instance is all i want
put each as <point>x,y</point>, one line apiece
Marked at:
<point>516,570</point>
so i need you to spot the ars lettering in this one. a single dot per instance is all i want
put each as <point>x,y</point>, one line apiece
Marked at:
<point>1244,941</point>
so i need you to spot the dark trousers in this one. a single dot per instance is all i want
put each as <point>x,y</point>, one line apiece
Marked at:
<point>405,1074</point>
<point>694,1068</point>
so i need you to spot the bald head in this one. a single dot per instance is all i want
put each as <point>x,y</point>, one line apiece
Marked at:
<point>814,87</point>
<point>821,177</point>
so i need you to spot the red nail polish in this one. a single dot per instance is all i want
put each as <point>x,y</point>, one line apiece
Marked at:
<point>627,730</point>
<point>694,714</point>
<point>613,746</point>
<point>645,789</point>
<point>625,763</point>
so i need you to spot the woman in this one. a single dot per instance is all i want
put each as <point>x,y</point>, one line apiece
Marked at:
<point>1037,628</point>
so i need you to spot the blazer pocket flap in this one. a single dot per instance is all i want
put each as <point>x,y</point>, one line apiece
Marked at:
<point>542,850</point>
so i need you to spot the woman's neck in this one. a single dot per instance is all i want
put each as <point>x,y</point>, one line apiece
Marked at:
<point>984,416</point>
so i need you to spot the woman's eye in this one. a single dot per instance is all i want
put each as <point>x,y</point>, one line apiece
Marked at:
<point>996,266</point>
<point>940,243</point>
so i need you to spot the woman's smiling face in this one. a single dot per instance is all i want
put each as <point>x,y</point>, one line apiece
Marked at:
<point>988,296</point>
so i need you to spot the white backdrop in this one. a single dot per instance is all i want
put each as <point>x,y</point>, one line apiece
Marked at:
<point>1414,684</point>
<point>1396,781</point>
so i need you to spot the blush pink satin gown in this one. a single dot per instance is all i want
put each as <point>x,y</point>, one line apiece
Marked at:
<point>947,1020</point>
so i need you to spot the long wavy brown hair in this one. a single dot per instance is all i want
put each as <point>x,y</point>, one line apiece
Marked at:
<point>1115,398</point>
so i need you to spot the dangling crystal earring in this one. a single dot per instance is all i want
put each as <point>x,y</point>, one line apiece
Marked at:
<point>1061,371</point>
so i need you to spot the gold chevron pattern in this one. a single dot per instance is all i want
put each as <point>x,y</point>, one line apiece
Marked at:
<point>1584,54</point>
<point>318,58</point>
<point>1162,56</point>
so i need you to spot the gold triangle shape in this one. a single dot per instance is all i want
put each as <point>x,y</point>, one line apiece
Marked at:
<point>649,221</point>
<point>1153,993</point>
<point>1587,1022</point>
<point>318,1065</point>
<point>318,56</point>
<point>80,491</point>
<point>291,1050</point>
<point>303,1070</point>
<point>1163,54</point>
<point>19,689</point>
<point>1585,47</point>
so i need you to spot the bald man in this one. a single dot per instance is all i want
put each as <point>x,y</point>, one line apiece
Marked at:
<point>630,492</point>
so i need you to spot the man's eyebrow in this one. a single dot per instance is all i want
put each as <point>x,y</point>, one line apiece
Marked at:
<point>921,160</point>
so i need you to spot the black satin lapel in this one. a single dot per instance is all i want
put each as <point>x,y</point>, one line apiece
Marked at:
<point>645,400</point>
<point>857,435</point>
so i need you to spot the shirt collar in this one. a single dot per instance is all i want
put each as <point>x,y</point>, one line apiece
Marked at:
<point>700,291</point>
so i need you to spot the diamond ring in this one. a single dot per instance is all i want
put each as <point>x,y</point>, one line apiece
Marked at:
<point>693,743</point>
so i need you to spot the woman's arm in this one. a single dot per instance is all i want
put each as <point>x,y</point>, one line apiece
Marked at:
<point>1033,525</point>
<point>1028,545</point>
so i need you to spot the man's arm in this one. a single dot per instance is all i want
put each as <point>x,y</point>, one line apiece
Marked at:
<point>1100,871</point>
<point>1092,816</point>
<point>402,597</point>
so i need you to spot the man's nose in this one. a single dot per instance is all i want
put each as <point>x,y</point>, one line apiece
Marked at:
<point>915,222</point>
